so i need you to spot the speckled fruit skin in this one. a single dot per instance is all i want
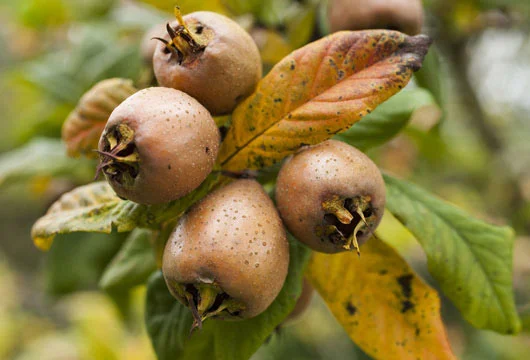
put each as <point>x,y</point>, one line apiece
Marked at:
<point>314,175</point>
<point>234,238</point>
<point>403,15</point>
<point>177,141</point>
<point>224,74</point>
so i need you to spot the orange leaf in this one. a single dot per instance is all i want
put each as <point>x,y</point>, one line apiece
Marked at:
<point>384,307</point>
<point>84,125</point>
<point>318,91</point>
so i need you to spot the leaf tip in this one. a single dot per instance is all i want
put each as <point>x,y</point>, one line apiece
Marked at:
<point>417,46</point>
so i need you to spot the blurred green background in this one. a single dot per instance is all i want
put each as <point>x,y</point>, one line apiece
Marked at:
<point>472,148</point>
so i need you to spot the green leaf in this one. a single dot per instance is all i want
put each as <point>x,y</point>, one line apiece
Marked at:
<point>85,256</point>
<point>169,322</point>
<point>42,158</point>
<point>470,259</point>
<point>100,52</point>
<point>96,208</point>
<point>133,264</point>
<point>433,75</point>
<point>387,120</point>
<point>300,25</point>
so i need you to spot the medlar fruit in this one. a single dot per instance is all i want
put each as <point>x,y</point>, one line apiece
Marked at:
<point>228,257</point>
<point>210,57</point>
<point>157,146</point>
<point>402,15</point>
<point>330,196</point>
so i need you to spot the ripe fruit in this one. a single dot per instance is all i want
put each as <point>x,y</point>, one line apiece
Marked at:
<point>228,257</point>
<point>330,196</point>
<point>157,146</point>
<point>402,15</point>
<point>210,57</point>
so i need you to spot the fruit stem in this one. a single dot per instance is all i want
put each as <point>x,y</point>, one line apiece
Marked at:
<point>336,207</point>
<point>182,44</point>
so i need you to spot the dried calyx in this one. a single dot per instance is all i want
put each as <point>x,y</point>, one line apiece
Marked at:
<point>346,219</point>
<point>119,158</point>
<point>206,301</point>
<point>184,44</point>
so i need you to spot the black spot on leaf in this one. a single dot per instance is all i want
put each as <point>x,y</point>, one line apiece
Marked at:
<point>350,308</point>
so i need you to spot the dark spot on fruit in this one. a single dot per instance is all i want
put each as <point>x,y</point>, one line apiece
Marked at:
<point>199,29</point>
<point>292,66</point>
<point>207,150</point>
<point>169,166</point>
<point>417,331</point>
<point>278,100</point>
<point>383,272</point>
<point>350,308</point>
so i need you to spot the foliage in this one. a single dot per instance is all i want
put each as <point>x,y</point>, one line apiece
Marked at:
<point>318,91</point>
<point>347,86</point>
<point>398,319</point>
<point>42,158</point>
<point>460,248</point>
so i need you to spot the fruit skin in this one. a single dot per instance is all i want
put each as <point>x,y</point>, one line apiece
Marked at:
<point>221,75</point>
<point>318,174</point>
<point>233,240</point>
<point>175,143</point>
<point>402,15</point>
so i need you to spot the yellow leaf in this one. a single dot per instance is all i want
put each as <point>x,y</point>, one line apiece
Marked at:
<point>382,304</point>
<point>318,91</point>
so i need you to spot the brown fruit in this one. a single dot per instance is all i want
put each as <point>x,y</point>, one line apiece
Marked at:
<point>228,257</point>
<point>210,57</point>
<point>157,146</point>
<point>330,196</point>
<point>402,15</point>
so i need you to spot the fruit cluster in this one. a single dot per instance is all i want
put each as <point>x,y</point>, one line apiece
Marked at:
<point>228,256</point>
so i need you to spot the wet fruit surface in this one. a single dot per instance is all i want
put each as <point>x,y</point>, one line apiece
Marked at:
<point>158,145</point>
<point>330,196</point>
<point>228,257</point>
